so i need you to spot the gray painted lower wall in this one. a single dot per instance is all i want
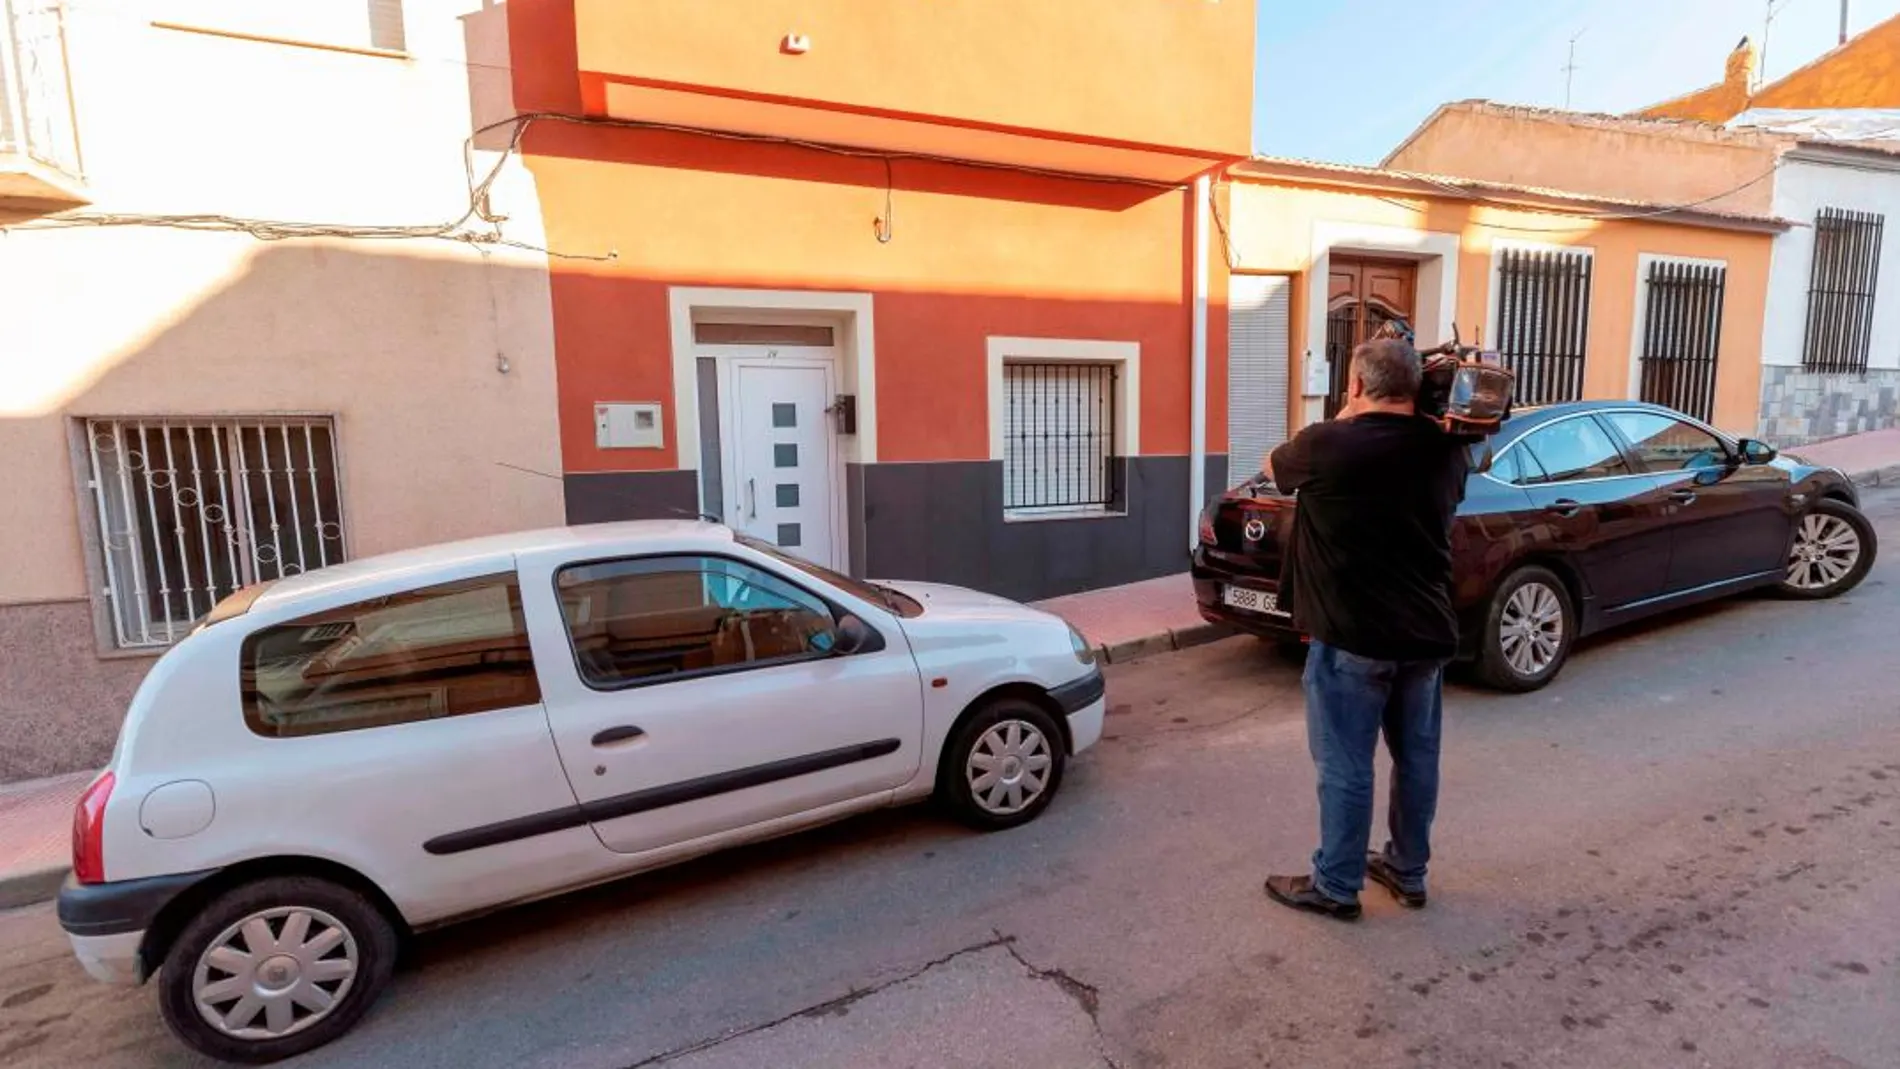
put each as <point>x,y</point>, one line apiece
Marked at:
<point>60,702</point>
<point>943,522</point>
<point>1800,406</point>
<point>602,497</point>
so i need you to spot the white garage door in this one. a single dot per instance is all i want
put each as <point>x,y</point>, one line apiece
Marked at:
<point>1259,356</point>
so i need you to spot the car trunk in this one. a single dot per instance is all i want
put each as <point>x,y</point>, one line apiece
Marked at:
<point>1235,515</point>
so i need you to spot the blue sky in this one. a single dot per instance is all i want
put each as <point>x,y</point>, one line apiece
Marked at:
<point>1346,80</point>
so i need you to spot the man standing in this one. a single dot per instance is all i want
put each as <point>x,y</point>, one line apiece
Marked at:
<point>1369,569</point>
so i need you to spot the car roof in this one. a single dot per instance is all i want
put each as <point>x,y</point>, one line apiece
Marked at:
<point>500,549</point>
<point>1526,419</point>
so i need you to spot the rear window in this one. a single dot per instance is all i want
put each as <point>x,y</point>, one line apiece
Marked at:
<point>450,650</point>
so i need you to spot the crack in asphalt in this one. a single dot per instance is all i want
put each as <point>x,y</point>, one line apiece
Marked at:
<point>828,1008</point>
<point>1086,995</point>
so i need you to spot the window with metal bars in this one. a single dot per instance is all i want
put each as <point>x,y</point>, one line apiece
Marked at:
<point>1844,275</point>
<point>1058,438</point>
<point>1682,335</point>
<point>190,511</point>
<point>1543,323</point>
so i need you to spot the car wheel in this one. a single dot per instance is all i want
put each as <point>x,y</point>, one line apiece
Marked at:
<point>274,968</point>
<point>1527,631</point>
<point>1002,765</point>
<point>1832,551</point>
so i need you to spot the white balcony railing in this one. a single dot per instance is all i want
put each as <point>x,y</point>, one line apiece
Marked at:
<point>36,96</point>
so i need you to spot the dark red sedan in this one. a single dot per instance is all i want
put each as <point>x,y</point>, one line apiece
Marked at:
<point>1577,518</point>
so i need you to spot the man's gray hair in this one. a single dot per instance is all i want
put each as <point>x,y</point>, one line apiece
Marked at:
<point>1388,368</point>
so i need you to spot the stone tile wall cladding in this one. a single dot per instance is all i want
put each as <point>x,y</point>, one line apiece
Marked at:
<point>1800,406</point>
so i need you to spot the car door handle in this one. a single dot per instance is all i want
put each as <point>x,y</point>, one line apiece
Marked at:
<point>1682,497</point>
<point>609,736</point>
<point>1564,507</point>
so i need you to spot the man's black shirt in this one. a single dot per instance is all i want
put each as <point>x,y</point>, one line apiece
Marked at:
<point>1370,563</point>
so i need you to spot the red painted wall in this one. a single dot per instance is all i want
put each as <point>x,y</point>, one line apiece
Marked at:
<point>976,252</point>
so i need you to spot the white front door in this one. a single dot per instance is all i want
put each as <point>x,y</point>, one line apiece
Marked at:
<point>784,463</point>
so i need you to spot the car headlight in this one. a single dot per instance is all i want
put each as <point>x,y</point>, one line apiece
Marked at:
<point>1083,651</point>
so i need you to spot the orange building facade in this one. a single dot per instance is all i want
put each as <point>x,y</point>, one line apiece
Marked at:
<point>1586,298</point>
<point>911,290</point>
<point>1864,72</point>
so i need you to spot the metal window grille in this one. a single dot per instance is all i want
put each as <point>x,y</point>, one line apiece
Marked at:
<point>1682,336</point>
<point>189,511</point>
<point>1841,288</point>
<point>1058,436</point>
<point>1544,321</point>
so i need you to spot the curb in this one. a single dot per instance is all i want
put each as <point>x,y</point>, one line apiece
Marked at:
<point>31,887</point>
<point>1887,476</point>
<point>1179,638</point>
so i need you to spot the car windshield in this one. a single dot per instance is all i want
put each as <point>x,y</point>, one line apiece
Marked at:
<point>871,592</point>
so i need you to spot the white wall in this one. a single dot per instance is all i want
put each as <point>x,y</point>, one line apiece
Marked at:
<point>1802,189</point>
<point>400,340</point>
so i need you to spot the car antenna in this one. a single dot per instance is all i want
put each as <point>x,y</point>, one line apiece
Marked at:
<point>706,516</point>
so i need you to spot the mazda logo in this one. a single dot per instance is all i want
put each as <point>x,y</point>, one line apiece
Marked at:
<point>1255,530</point>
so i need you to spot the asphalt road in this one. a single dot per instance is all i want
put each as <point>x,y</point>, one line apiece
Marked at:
<point>1684,853</point>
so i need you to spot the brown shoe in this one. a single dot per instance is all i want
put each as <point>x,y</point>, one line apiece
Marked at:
<point>1298,892</point>
<point>1379,871</point>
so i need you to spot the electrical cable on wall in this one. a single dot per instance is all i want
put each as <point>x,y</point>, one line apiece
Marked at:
<point>479,208</point>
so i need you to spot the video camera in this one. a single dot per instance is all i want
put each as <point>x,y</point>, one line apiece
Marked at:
<point>1467,390</point>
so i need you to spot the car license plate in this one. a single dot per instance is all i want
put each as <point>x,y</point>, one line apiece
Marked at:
<point>1239,597</point>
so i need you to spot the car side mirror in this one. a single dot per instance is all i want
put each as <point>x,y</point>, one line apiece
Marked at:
<point>851,635</point>
<point>1754,451</point>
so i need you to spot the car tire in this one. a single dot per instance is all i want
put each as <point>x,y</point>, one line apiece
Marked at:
<point>1528,631</point>
<point>328,942</point>
<point>1002,765</point>
<point>1831,551</point>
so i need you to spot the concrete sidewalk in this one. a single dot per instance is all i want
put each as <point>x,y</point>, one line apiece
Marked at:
<point>1123,623</point>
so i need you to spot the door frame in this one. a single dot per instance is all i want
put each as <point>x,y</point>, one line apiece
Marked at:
<point>729,364</point>
<point>854,354</point>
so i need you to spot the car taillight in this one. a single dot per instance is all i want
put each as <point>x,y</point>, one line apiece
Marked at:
<point>89,831</point>
<point>1207,526</point>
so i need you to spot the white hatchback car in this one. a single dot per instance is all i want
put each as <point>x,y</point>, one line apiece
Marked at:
<point>391,744</point>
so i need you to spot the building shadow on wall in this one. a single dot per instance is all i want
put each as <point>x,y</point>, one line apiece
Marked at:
<point>401,346</point>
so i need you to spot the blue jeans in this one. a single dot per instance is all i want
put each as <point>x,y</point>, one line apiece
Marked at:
<point>1349,700</point>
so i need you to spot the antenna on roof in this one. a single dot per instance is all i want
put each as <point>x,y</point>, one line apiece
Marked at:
<point>1570,65</point>
<point>1843,21</point>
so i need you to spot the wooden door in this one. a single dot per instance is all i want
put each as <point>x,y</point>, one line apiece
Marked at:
<point>1361,295</point>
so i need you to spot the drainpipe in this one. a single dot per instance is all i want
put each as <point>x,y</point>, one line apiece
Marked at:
<point>1197,362</point>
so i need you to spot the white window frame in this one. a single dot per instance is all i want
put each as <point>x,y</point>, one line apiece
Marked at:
<point>1124,356</point>
<point>112,583</point>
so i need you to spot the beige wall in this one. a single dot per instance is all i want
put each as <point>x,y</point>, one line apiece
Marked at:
<point>1673,164</point>
<point>399,340</point>
<point>1274,227</point>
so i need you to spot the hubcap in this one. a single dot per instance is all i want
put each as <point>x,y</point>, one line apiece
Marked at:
<point>274,973</point>
<point>1531,629</point>
<point>1009,767</point>
<point>1826,548</point>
